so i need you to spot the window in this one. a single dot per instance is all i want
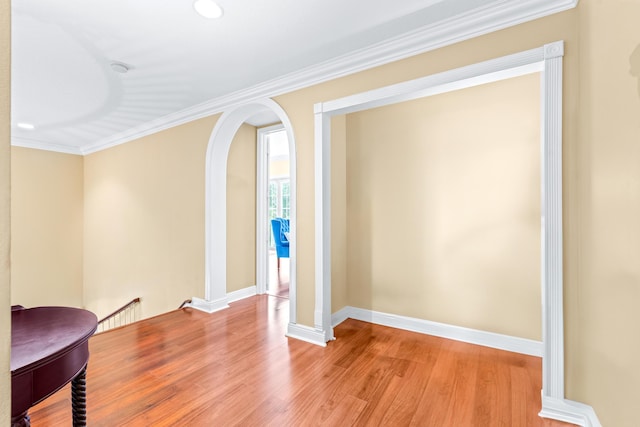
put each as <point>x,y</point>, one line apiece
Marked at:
<point>279,202</point>
<point>285,203</point>
<point>273,199</point>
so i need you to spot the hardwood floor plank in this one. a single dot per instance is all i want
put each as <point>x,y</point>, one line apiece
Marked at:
<point>436,399</point>
<point>466,372</point>
<point>237,368</point>
<point>376,410</point>
<point>406,400</point>
<point>345,412</point>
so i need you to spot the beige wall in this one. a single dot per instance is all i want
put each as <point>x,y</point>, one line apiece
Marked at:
<point>144,208</point>
<point>278,168</point>
<point>241,210</point>
<point>144,221</point>
<point>5,211</point>
<point>46,228</point>
<point>443,199</point>
<point>339,242</point>
<point>600,131</point>
<point>299,104</point>
<point>605,338</point>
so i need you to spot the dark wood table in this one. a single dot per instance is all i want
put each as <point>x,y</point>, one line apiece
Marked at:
<point>49,348</point>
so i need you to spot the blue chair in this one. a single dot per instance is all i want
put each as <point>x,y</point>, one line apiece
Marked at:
<point>280,226</point>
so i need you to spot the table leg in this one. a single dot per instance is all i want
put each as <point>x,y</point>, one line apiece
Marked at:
<point>79,398</point>
<point>21,420</point>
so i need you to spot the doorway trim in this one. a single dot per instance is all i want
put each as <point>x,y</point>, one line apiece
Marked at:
<point>546,60</point>
<point>216,297</point>
<point>263,228</point>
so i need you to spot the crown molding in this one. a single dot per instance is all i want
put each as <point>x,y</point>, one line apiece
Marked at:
<point>17,141</point>
<point>494,16</point>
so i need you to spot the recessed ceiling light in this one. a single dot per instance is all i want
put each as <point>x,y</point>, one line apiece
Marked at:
<point>119,67</point>
<point>23,125</point>
<point>207,8</point>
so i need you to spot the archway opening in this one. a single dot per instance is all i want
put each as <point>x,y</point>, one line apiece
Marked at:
<point>217,296</point>
<point>273,209</point>
<point>546,60</point>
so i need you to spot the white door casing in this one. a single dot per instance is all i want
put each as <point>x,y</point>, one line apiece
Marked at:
<point>263,228</point>
<point>546,60</point>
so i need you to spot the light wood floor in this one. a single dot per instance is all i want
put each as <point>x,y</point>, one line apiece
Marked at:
<point>236,368</point>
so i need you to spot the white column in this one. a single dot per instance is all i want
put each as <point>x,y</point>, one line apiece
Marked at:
<point>322,315</point>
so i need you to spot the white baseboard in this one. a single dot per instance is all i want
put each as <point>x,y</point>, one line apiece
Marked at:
<point>306,333</point>
<point>222,303</point>
<point>241,294</point>
<point>341,315</point>
<point>569,411</point>
<point>208,306</point>
<point>472,336</point>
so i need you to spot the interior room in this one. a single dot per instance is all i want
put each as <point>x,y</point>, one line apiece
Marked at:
<point>134,164</point>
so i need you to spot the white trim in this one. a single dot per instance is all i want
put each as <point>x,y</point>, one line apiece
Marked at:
<point>497,15</point>
<point>208,306</point>
<point>221,303</point>
<point>322,161</point>
<point>569,412</point>
<point>510,66</point>
<point>306,333</point>
<point>548,61</point>
<point>216,199</point>
<point>241,294</point>
<point>18,141</point>
<point>341,315</point>
<point>514,65</point>
<point>262,224</point>
<point>448,81</point>
<point>551,223</point>
<point>457,333</point>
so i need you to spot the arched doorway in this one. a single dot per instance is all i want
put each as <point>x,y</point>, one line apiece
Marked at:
<point>216,297</point>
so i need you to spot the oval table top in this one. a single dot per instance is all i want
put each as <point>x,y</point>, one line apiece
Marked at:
<point>41,334</point>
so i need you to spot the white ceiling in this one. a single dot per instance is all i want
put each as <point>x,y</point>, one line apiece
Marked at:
<point>63,84</point>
